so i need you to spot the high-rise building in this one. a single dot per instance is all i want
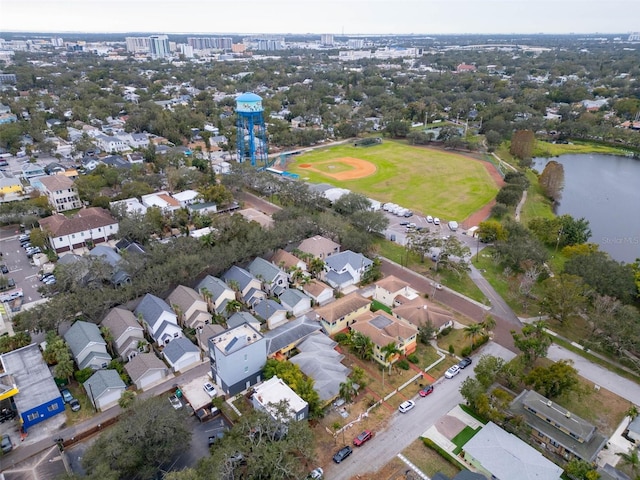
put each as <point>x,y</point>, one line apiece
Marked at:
<point>159,46</point>
<point>213,43</point>
<point>137,44</point>
<point>634,37</point>
<point>355,43</point>
<point>326,39</point>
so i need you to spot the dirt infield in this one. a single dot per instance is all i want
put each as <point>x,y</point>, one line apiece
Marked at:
<point>357,168</point>
<point>481,215</point>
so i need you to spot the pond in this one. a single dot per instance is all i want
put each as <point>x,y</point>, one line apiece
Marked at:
<point>604,189</point>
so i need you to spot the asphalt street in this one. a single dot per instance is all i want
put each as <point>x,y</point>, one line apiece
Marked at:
<point>403,429</point>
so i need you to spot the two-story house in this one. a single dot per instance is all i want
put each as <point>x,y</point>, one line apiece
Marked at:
<point>216,293</point>
<point>274,280</point>
<point>339,315</point>
<point>271,312</point>
<point>384,329</point>
<point>60,191</point>
<point>295,302</point>
<point>248,287</point>
<point>318,291</point>
<point>557,430</point>
<point>420,312</point>
<point>159,319</point>
<point>126,331</point>
<point>181,354</point>
<point>191,308</point>
<point>319,247</point>
<point>345,269</point>
<point>391,287</point>
<point>119,276</point>
<point>111,144</point>
<point>288,262</point>
<point>87,346</point>
<point>89,226</point>
<point>237,356</point>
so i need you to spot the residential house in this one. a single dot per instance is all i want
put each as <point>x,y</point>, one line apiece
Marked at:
<point>119,276</point>
<point>31,170</point>
<point>9,184</point>
<point>187,197</point>
<point>270,393</point>
<point>384,329</point>
<point>146,370</point>
<point>498,454</point>
<point>237,356</point>
<point>126,245</point>
<point>557,430</point>
<point>391,287</point>
<point>318,359</point>
<point>274,280</point>
<point>181,354</point>
<point>248,286</point>
<point>87,346</point>
<point>273,313</point>
<point>190,307</point>
<point>89,226</point>
<point>104,388</point>
<point>238,318</point>
<point>111,144</point>
<point>339,315</point>
<point>216,293</point>
<point>283,339</point>
<point>421,312</point>
<point>161,200</point>
<point>319,247</point>
<point>319,292</point>
<point>295,302</point>
<point>60,191</point>
<point>131,206</point>
<point>288,262</point>
<point>29,382</point>
<point>126,331</point>
<point>159,319</point>
<point>464,68</point>
<point>632,432</point>
<point>205,332</point>
<point>345,269</point>
<point>116,161</point>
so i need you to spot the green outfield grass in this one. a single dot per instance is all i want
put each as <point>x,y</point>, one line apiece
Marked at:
<point>444,184</point>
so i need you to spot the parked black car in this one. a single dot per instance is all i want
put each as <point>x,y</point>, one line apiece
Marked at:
<point>343,453</point>
<point>7,414</point>
<point>465,362</point>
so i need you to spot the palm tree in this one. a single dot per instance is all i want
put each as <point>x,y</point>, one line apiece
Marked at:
<point>316,266</point>
<point>488,325</point>
<point>472,331</point>
<point>362,345</point>
<point>633,411</point>
<point>391,352</point>
<point>108,337</point>
<point>233,306</point>
<point>208,297</point>
<point>631,458</point>
<point>348,390</point>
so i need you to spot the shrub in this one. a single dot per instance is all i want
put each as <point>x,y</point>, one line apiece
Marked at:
<point>413,358</point>
<point>466,351</point>
<point>499,210</point>
<point>445,332</point>
<point>451,349</point>
<point>403,364</point>
<point>83,375</point>
<point>342,338</point>
<point>432,445</point>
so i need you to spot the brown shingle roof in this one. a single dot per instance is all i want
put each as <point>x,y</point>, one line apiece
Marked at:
<point>86,219</point>
<point>284,258</point>
<point>392,284</point>
<point>342,307</point>
<point>315,287</point>
<point>318,245</point>
<point>118,320</point>
<point>142,363</point>
<point>183,297</point>
<point>56,182</point>
<point>391,332</point>
<point>419,311</point>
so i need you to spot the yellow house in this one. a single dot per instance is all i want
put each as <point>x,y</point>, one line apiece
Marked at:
<point>9,184</point>
<point>338,315</point>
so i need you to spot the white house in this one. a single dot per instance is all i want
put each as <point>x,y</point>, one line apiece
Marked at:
<point>145,370</point>
<point>271,312</point>
<point>111,144</point>
<point>160,320</point>
<point>295,301</point>
<point>162,200</point>
<point>319,292</point>
<point>89,226</point>
<point>345,269</point>
<point>181,354</point>
<point>127,333</point>
<point>104,388</point>
<point>270,393</point>
<point>186,197</point>
<point>131,206</point>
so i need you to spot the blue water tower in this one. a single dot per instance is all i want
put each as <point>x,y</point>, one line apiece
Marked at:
<point>251,135</point>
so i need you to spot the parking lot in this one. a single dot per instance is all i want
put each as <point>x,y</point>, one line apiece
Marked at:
<point>19,265</point>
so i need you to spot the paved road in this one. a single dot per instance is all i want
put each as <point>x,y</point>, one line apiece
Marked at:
<point>600,376</point>
<point>403,429</point>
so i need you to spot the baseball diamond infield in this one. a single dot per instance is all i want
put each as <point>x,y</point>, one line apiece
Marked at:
<point>441,183</point>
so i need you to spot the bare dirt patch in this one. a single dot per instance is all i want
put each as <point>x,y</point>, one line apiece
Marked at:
<point>358,168</point>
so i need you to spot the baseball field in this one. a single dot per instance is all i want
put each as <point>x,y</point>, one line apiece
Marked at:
<point>435,182</point>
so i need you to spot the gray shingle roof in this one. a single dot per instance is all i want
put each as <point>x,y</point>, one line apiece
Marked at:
<point>239,318</point>
<point>177,348</point>
<point>107,254</point>
<point>338,261</point>
<point>267,308</point>
<point>102,381</point>
<point>290,332</point>
<point>214,286</point>
<point>292,297</point>
<point>81,334</point>
<point>264,270</point>
<point>239,275</point>
<point>151,308</point>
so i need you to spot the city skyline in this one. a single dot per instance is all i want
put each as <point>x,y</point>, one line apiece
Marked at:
<point>348,17</point>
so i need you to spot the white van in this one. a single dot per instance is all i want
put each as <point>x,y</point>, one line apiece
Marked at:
<point>453,226</point>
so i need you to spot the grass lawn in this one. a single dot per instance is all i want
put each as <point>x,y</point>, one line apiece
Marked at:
<point>428,460</point>
<point>537,204</point>
<point>445,184</point>
<point>398,254</point>
<point>457,338</point>
<point>546,149</point>
<point>427,355</point>
<point>463,437</point>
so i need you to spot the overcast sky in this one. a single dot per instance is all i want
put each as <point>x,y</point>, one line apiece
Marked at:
<point>318,16</point>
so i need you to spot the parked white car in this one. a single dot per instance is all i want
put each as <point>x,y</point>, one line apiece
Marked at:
<point>452,372</point>
<point>406,406</point>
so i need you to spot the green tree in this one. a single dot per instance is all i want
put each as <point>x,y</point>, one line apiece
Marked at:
<point>490,231</point>
<point>632,459</point>
<point>348,390</point>
<point>452,256</point>
<point>557,379</point>
<point>581,470</point>
<point>127,399</point>
<point>362,345</point>
<point>488,369</point>
<point>391,353</point>
<point>150,434</point>
<point>473,331</point>
<point>563,296</point>
<point>533,341</point>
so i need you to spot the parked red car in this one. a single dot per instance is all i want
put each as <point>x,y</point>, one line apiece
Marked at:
<point>363,437</point>
<point>426,390</point>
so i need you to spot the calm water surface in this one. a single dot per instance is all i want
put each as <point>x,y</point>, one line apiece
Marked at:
<point>604,189</point>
